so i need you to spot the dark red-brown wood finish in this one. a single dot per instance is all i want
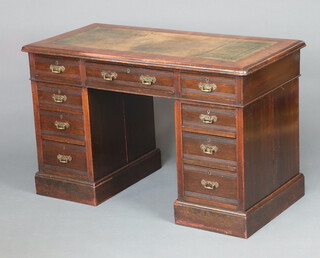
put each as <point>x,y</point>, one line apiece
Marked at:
<point>236,120</point>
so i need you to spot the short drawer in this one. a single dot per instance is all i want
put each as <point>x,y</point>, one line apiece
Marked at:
<point>209,151</point>
<point>210,185</point>
<point>65,126</point>
<point>60,97</point>
<point>57,69</point>
<point>208,87</point>
<point>130,79</point>
<point>209,120</point>
<point>64,159</point>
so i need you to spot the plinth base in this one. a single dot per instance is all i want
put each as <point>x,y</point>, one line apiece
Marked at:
<point>97,192</point>
<point>240,224</point>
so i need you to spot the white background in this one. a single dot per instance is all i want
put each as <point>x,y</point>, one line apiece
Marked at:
<point>139,221</point>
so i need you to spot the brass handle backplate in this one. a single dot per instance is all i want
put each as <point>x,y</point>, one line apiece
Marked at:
<point>207,119</point>
<point>64,158</point>
<point>147,80</point>
<point>59,98</point>
<point>208,149</point>
<point>57,68</point>
<point>109,76</point>
<point>209,184</point>
<point>61,125</point>
<point>207,87</point>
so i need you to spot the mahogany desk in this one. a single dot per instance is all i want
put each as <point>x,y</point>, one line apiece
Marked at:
<point>236,120</point>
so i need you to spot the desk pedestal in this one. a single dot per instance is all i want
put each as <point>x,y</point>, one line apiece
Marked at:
<point>96,145</point>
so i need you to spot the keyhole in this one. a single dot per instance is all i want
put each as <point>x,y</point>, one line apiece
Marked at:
<point>207,79</point>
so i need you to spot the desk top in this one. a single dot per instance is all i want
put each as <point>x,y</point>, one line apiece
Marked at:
<point>219,53</point>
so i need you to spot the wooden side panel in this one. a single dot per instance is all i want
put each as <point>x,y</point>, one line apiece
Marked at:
<point>271,76</point>
<point>139,124</point>
<point>240,158</point>
<point>271,142</point>
<point>37,126</point>
<point>286,120</point>
<point>179,147</point>
<point>107,131</point>
<point>87,132</point>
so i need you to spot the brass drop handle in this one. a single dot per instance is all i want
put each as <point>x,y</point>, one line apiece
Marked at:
<point>64,158</point>
<point>109,76</point>
<point>147,80</point>
<point>208,149</point>
<point>207,87</point>
<point>209,184</point>
<point>59,98</point>
<point>61,125</point>
<point>57,68</point>
<point>207,119</point>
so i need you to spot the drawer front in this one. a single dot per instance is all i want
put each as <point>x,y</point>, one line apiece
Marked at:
<point>59,97</point>
<point>209,120</point>
<point>210,88</point>
<point>57,69</point>
<point>132,79</point>
<point>209,151</point>
<point>64,159</point>
<point>210,185</point>
<point>60,124</point>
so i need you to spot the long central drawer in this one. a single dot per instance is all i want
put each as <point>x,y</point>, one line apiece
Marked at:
<point>129,79</point>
